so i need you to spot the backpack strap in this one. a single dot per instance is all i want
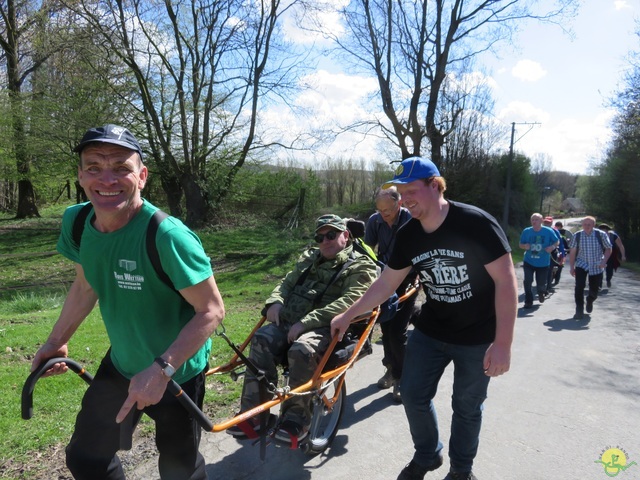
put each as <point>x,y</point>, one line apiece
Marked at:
<point>601,241</point>
<point>345,265</point>
<point>152,229</point>
<point>152,249</point>
<point>78,224</point>
<point>598,236</point>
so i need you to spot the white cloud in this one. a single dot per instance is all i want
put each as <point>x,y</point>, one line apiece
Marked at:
<point>528,71</point>
<point>336,97</point>
<point>303,26</point>
<point>330,101</point>
<point>572,144</point>
<point>519,112</point>
<point>621,5</point>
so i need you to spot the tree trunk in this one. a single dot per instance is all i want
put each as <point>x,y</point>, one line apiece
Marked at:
<point>26,195</point>
<point>196,201</point>
<point>437,142</point>
<point>26,200</point>
<point>173,190</point>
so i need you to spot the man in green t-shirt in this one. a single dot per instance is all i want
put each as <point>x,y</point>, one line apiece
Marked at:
<point>156,332</point>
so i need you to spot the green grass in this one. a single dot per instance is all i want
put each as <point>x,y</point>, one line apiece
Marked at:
<point>34,280</point>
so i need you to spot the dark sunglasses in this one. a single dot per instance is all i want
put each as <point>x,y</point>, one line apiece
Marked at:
<point>331,235</point>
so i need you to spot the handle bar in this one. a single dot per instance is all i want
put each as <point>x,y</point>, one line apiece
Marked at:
<point>191,407</point>
<point>172,386</point>
<point>30,383</point>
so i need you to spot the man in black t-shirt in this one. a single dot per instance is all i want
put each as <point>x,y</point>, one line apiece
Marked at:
<point>464,263</point>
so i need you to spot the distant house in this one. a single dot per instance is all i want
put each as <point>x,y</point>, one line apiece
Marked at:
<point>572,205</point>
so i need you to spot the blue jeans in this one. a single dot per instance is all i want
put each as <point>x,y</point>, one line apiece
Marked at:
<point>541,280</point>
<point>425,362</point>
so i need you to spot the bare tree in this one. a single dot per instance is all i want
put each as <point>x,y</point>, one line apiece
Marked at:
<point>202,69</point>
<point>413,48</point>
<point>475,134</point>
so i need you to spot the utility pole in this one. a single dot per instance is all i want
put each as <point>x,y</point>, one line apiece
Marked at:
<point>507,190</point>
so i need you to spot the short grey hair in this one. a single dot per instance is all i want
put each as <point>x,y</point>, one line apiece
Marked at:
<point>390,192</point>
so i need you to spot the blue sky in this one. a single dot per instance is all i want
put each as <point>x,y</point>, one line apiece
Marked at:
<point>566,84</point>
<point>562,82</point>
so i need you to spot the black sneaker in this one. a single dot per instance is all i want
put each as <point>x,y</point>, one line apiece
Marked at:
<point>413,471</point>
<point>589,305</point>
<point>386,381</point>
<point>528,305</point>
<point>578,316</point>
<point>461,476</point>
<point>541,297</point>
<point>608,283</point>
<point>397,395</point>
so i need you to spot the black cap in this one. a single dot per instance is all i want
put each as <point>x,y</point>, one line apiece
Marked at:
<point>113,134</point>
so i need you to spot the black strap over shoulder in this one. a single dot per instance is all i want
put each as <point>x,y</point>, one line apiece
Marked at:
<point>152,249</point>
<point>78,224</point>
<point>152,229</point>
<point>600,241</point>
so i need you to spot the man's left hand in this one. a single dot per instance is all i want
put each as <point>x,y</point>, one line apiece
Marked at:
<point>497,360</point>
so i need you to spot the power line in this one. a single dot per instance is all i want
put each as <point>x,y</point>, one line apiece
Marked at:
<point>507,190</point>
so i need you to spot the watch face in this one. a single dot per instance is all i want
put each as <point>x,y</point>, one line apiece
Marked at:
<point>167,369</point>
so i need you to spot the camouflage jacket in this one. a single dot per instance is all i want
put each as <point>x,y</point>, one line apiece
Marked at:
<point>305,301</point>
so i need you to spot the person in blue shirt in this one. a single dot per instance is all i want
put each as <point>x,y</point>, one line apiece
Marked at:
<point>538,242</point>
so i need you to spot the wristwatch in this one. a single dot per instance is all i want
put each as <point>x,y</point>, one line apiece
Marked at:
<point>168,370</point>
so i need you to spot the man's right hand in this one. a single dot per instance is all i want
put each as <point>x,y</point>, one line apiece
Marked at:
<point>273,313</point>
<point>47,351</point>
<point>339,325</point>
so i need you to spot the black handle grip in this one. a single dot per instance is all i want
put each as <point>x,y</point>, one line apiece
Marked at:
<point>172,386</point>
<point>30,383</point>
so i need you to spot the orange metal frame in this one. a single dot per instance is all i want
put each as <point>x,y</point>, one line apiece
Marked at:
<point>319,377</point>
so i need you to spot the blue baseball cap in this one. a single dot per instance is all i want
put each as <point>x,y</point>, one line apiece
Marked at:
<point>110,133</point>
<point>412,169</point>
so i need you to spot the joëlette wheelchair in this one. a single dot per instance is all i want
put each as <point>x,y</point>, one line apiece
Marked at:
<point>327,386</point>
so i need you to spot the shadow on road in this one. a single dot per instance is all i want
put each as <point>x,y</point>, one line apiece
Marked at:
<point>557,325</point>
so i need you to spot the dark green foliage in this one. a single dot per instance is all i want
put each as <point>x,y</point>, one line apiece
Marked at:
<point>613,193</point>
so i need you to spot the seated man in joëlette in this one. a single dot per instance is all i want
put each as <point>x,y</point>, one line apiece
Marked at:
<point>325,281</point>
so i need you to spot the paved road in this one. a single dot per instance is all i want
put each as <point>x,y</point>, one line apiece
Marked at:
<point>573,393</point>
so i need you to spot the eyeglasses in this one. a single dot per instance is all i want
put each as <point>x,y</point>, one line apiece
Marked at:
<point>319,238</point>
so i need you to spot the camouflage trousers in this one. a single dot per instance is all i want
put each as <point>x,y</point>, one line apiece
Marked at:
<point>270,348</point>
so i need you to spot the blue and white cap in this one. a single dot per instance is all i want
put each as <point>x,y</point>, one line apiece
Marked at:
<point>412,169</point>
